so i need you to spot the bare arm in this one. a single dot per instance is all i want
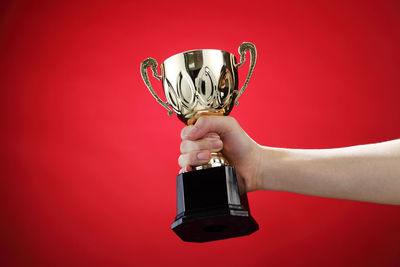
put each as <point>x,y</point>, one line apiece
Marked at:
<point>366,172</point>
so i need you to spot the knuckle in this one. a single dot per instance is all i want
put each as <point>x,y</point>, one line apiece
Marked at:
<point>182,146</point>
<point>201,121</point>
<point>181,160</point>
<point>182,132</point>
<point>187,159</point>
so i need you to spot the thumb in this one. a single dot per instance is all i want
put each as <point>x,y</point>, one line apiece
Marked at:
<point>221,125</point>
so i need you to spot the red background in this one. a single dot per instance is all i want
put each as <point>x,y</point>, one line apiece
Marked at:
<point>89,158</point>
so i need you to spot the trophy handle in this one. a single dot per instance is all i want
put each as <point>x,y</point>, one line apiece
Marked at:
<point>253,57</point>
<point>151,62</point>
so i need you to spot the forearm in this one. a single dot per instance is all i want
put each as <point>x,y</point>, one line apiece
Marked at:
<point>366,173</point>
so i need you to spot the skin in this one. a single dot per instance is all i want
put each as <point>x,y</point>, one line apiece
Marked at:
<point>365,173</point>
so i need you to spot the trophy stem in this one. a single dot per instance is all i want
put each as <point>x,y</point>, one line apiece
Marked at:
<point>217,160</point>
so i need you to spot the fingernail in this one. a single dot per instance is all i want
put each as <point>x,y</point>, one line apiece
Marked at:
<point>203,155</point>
<point>216,143</point>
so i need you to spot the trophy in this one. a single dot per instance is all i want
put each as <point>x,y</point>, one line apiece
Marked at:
<point>197,83</point>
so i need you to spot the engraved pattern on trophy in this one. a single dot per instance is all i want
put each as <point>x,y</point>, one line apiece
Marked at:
<point>204,94</point>
<point>186,91</point>
<point>206,88</point>
<point>172,97</point>
<point>197,88</point>
<point>181,97</point>
<point>225,87</point>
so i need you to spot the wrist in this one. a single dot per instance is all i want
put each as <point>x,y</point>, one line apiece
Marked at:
<point>273,165</point>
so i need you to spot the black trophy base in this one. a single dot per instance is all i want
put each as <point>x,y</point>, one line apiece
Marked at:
<point>210,207</point>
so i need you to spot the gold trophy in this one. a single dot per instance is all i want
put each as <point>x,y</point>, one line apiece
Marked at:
<point>197,83</point>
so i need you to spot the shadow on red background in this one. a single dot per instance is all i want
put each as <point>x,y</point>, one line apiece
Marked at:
<point>89,158</point>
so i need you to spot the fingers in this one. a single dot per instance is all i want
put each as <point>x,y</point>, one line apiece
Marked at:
<point>185,169</point>
<point>210,144</point>
<point>194,158</point>
<point>185,131</point>
<point>199,140</point>
<point>196,153</point>
<point>208,124</point>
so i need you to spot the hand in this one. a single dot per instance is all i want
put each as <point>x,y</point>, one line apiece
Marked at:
<point>220,133</point>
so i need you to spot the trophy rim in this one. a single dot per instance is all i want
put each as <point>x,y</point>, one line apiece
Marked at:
<point>196,50</point>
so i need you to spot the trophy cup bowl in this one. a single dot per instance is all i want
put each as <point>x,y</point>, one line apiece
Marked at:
<point>198,83</point>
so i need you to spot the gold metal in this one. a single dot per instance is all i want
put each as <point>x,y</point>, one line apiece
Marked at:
<point>151,62</point>
<point>253,57</point>
<point>217,160</point>
<point>201,82</point>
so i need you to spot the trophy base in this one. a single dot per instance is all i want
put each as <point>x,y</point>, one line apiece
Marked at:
<point>210,207</point>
